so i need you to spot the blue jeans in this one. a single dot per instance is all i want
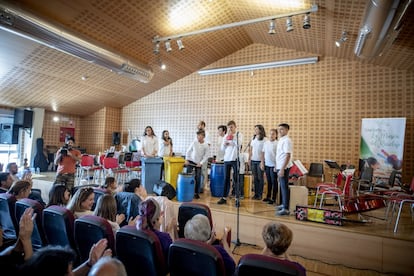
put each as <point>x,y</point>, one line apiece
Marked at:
<point>271,177</point>
<point>258,180</point>
<point>284,188</point>
<point>197,176</point>
<point>228,165</point>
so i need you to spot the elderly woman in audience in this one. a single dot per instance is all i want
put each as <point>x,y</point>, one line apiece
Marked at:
<point>198,228</point>
<point>82,202</point>
<point>150,216</point>
<point>21,189</point>
<point>106,208</point>
<point>167,207</point>
<point>277,238</point>
<point>108,266</point>
<point>58,195</point>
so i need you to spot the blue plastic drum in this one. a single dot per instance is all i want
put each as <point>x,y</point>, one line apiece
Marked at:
<point>217,179</point>
<point>185,187</point>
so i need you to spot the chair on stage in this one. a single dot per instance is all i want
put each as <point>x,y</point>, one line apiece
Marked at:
<point>140,251</point>
<point>257,264</point>
<point>315,171</point>
<point>89,229</point>
<point>190,257</point>
<point>8,220</point>
<point>189,209</point>
<point>321,187</point>
<point>38,236</point>
<point>337,193</point>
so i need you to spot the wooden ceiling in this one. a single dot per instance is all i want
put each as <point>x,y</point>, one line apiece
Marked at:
<point>33,75</point>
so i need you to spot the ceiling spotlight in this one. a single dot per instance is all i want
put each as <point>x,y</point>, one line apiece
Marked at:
<point>157,48</point>
<point>180,44</point>
<point>289,24</point>
<point>168,46</point>
<point>306,21</point>
<point>163,66</point>
<point>85,77</point>
<point>272,26</point>
<point>343,38</point>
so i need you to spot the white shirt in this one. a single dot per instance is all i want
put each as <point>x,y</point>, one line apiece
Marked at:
<point>197,152</point>
<point>164,150</point>
<point>220,153</point>
<point>243,158</point>
<point>257,148</point>
<point>284,146</point>
<point>231,150</point>
<point>269,149</point>
<point>149,145</point>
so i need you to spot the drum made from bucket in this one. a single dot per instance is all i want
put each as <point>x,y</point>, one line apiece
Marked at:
<point>217,179</point>
<point>185,187</point>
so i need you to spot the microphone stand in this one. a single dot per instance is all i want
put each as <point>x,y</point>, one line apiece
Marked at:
<point>237,242</point>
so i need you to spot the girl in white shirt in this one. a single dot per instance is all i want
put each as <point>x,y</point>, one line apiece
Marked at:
<point>149,143</point>
<point>256,160</point>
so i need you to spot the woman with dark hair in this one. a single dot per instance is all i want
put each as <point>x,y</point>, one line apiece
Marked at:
<point>149,143</point>
<point>150,219</point>
<point>110,185</point>
<point>166,144</point>
<point>21,189</point>
<point>256,160</point>
<point>58,195</point>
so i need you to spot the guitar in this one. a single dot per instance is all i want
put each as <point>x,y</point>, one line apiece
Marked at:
<point>393,160</point>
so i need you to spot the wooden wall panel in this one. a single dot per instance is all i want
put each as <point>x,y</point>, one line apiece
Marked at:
<point>323,103</point>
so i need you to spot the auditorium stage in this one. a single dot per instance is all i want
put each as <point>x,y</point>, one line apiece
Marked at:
<point>372,245</point>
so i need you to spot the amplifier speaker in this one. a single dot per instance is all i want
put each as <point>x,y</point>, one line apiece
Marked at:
<point>23,118</point>
<point>116,138</point>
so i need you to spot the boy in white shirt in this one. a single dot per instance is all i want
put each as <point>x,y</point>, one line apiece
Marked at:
<point>195,156</point>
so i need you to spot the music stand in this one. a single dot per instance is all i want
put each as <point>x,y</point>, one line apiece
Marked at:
<point>332,165</point>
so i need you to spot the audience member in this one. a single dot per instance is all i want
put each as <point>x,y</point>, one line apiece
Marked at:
<point>59,195</point>
<point>256,160</point>
<point>221,131</point>
<point>13,169</point>
<point>149,143</point>
<point>231,146</point>
<point>12,257</point>
<point>5,182</point>
<point>111,185</point>
<point>106,208</point>
<point>149,219</point>
<point>198,228</point>
<point>269,154</point>
<point>277,238</point>
<point>108,266</point>
<point>166,145</point>
<point>82,202</point>
<point>21,189</point>
<point>57,260</point>
<point>283,162</point>
<point>195,158</point>
<point>167,207</point>
<point>66,159</point>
